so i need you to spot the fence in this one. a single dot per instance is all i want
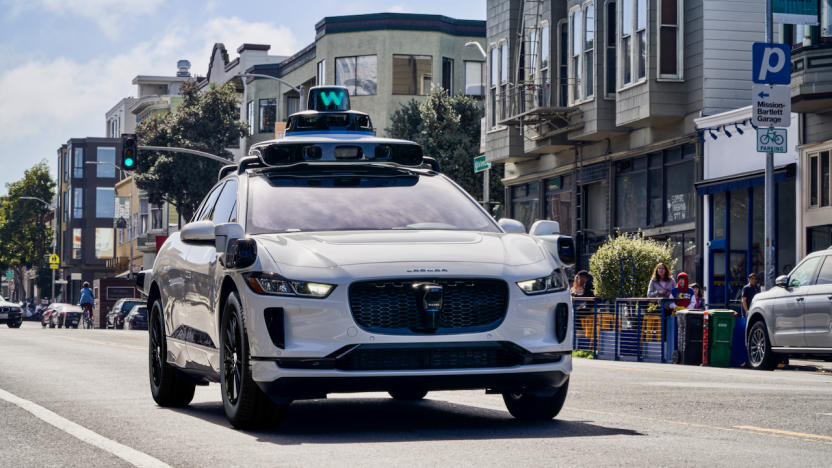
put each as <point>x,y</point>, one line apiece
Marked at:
<point>631,329</point>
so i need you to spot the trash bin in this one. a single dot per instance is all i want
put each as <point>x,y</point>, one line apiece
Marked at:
<point>739,354</point>
<point>720,335</point>
<point>689,328</point>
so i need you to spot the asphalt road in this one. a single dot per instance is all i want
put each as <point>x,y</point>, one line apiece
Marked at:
<point>81,398</point>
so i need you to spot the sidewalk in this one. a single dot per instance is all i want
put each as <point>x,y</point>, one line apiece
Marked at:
<point>808,365</point>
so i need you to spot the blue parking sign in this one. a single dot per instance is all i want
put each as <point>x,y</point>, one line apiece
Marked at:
<point>772,63</point>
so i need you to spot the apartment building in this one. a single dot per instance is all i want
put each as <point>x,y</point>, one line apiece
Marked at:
<point>384,60</point>
<point>84,212</point>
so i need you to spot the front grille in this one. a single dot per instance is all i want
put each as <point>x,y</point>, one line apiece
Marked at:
<point>396,306</point>
<point>456,357</point>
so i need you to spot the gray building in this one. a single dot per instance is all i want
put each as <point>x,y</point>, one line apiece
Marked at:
<point>591,105</point>
<point>384,59</point>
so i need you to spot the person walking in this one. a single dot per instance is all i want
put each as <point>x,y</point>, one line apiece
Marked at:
<point>748,292</point>
<point>87,301</point>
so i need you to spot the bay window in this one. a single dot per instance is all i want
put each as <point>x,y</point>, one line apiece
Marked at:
<point>633,41</point>
<point>577,42</point>
<point>582,22</point>
<point>492,84</point>
<point>589,48</point>
<point>545,77</point>
<point>670,34</point>
<point>504,80</point>
<point>609,39</point>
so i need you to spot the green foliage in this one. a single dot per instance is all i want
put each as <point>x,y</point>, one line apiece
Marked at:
<point>448,128</point>
<point>25,234</point>
<point>206,121</point>
<point>582,353</point>
<point>605,265</point>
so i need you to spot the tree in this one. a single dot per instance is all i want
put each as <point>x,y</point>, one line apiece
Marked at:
<point>634,256</point>
<point>448,128</point>
<point>204,121</point>
<point>25,236</point>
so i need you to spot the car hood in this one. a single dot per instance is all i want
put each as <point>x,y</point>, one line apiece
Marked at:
<point>333,249</point>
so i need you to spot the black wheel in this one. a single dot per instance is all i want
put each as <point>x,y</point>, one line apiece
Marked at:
<point>16,324</point>
<point>760,355</point>
<point>167,387</point>
<point>408,394</point>
<point>530,407</point>
<point>43,324</point>
<point>246,406</point>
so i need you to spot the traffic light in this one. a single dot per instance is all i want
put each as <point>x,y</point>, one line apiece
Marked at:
<point>129,151</point>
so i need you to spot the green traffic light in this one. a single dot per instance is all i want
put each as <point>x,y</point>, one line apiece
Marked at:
<point>128,162</point>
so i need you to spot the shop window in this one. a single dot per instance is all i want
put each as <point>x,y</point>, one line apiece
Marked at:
<point>786,225</point>
<point>412,74</point>
<point>559,204</point>
<point>525,200</point>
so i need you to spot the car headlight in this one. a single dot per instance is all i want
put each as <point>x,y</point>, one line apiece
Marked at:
<point>555,282</point>
<point>276,285</point>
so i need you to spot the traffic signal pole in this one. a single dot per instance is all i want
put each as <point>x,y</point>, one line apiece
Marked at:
<point>769,184</point>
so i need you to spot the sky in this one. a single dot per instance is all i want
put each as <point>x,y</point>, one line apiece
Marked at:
<point>65,63</point>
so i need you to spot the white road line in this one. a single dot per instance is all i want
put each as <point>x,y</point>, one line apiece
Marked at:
<point>130,455</point>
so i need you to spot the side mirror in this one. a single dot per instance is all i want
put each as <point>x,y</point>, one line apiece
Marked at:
<point>512,225</point>
<point>782,281</point>
<point>200,232</point>
<point>545,228</point>
<point>225,232</point>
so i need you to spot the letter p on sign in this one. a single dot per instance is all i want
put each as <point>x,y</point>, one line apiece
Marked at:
<point>772,63</point>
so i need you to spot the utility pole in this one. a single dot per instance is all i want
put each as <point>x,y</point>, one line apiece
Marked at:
<point>769,184</point>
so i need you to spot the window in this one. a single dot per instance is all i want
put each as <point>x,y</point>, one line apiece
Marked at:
<point>577,43</point>
<point>268,115</point>
<point>609,38</point>
<point>144,215</point>
<point>671,39</point>
<point>103,242</point>
<point>358,74</point>
<point>78,163</point>
<point>105,202</point>
<point>504,80</point>
<point>225,203</point>
<point>208,205</point>
<point>66,164</point>
<point>292,105</point>
<point>818,238</point>
<point>563,64</point>
<point>120,234</point>
<point>493,79</point>
<point>819,179</point>
<point>76,244</point>
<point>66,206</point>
<point>448,75</point>
<point>559,204</point>
<point>320,78</point>
<point>589,48</point>
<point>524,202</point>
<point>106,154</point>
<point>250,117</point>
<point>77,203</point>
<point>544,96</point>
<point>825,275</point>
<point>156,217</point>
<point>804,274</point>
<point>473,78</point>
<point>412,74</point>
<point>633,41</point>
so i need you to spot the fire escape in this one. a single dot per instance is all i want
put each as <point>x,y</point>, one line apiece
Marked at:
<point>528,101</point>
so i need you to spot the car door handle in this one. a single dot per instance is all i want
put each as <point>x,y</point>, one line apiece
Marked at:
<point>799,299</point>
<point>829,297</point>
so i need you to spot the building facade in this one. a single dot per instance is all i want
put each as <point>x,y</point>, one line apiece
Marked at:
<point>84,211</point>
<point>592,106</point>
<point>384,60</point>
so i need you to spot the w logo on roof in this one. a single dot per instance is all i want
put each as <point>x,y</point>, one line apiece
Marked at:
<point>330,97</point>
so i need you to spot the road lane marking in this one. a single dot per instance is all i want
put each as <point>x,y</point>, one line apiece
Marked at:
<point>99,342</point>
<point>128,454</point>
<point>801,435</point>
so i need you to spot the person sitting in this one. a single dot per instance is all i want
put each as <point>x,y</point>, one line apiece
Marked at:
<point>698,297</point>
<point>580,287</point>
<point>682,293</point>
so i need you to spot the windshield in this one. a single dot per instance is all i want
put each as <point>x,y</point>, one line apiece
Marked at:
<point>292,203</point>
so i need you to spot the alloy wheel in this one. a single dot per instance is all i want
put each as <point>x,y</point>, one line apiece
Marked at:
<point>156,352</point>
<point>757,345</point>
<point>232,363</point>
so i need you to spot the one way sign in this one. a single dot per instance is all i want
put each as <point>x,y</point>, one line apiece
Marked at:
<point>771,105</point>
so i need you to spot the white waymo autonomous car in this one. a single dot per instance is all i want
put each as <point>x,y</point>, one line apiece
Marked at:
<point>334,261</point>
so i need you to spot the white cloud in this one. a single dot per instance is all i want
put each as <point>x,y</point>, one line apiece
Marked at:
<point>400,9</point>
<point>47,101</point>
<point>106,14</point>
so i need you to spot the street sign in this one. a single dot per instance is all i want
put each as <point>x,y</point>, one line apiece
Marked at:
<point>54,259</point>
<point>795,11</point>
<point>771,63</point>
<point>61,281</point>
<point>9,274</point>
<point>771,105</point>
<point>54,266</point>
<point>480,164</point>
<point>772,140</point>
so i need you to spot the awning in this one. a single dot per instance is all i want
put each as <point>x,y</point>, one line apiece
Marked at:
<point>743,181</point>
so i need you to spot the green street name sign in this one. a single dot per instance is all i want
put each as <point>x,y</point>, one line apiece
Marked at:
<point>480,164</point>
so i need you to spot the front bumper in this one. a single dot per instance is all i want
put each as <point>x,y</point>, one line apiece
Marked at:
<point>10,317</point>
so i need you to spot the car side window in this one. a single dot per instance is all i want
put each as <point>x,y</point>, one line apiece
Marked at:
<point>208,204</point>
<point>804,274</point>
<point>825,275</point>
<point>225,203</point>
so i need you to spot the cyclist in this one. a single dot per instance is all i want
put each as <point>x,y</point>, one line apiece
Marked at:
<point>87,301</point>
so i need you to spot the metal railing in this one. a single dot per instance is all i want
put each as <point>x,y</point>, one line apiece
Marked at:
<point>630,329</point>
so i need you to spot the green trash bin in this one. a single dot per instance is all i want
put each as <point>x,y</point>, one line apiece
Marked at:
<point>720,336</point>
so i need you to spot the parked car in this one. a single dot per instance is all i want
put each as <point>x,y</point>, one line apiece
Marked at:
<point>137,318</point>
<point>794,318</point>
<point>10,313</point>
<point>46,315</point>
<point>122,307</point>
<point>66,315</point>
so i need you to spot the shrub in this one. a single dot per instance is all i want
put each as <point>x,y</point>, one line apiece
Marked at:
<point>606,264</point>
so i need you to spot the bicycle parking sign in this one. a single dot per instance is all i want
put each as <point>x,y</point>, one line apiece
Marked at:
<point>772,140</point>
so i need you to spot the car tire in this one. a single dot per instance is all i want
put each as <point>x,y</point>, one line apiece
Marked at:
<point>246,406</point>
<point>43,324</point>
<point>531,407</point>
<point>168,388</point>
<point>407,394</point>
<point>760,356</point>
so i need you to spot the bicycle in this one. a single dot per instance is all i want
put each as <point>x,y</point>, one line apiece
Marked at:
<point>86,318</point>
<point>771,136</point>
